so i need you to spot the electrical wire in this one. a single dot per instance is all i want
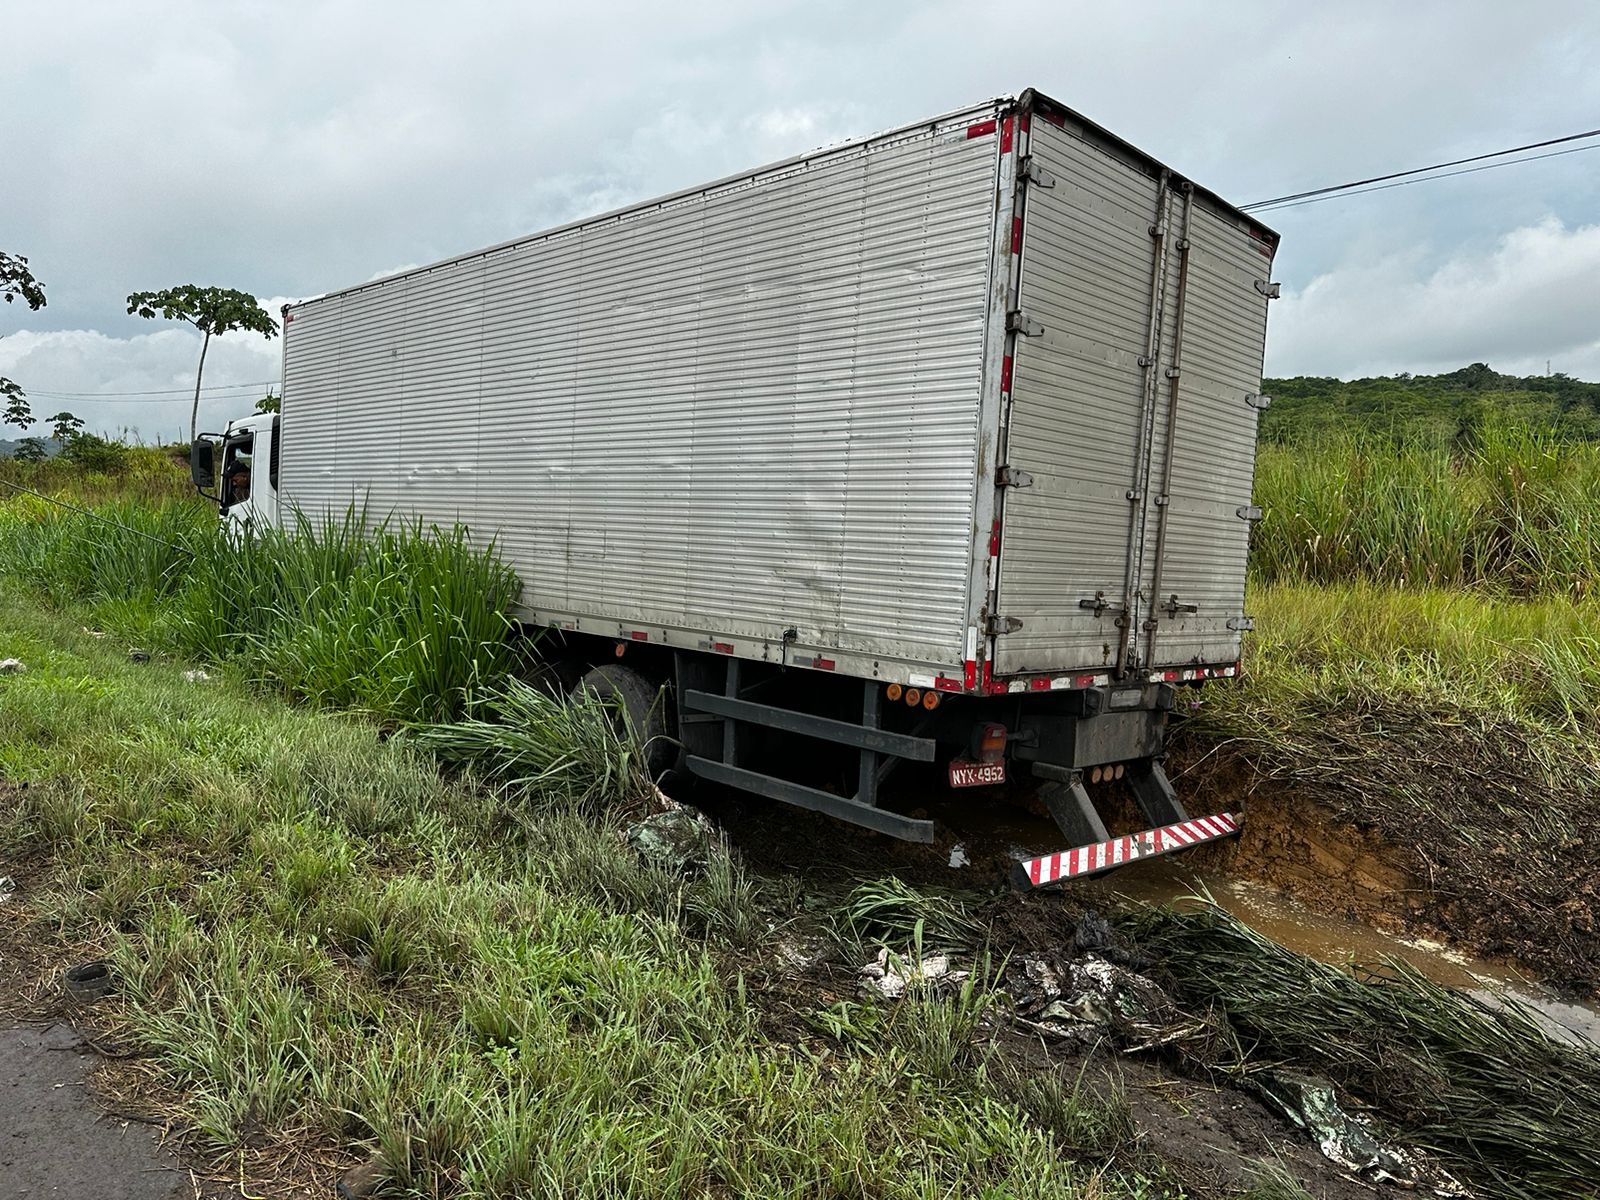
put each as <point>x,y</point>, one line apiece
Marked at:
<point>94,516</point>
<point>172,394</point>
<point>1383,187</point>
<point>1455,162</point>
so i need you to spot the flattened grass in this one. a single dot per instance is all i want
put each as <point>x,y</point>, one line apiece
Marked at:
<point>1516,1111</point>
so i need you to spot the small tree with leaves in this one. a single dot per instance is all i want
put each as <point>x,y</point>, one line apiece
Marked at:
<point>17,281</point>
<point>213,311</point>
<point>64,426</point>
<point>270,403</point>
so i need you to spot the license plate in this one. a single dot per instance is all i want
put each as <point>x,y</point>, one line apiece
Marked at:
<point>976,774</point>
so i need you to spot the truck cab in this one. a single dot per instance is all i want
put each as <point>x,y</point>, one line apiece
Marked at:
<point>246,482</point>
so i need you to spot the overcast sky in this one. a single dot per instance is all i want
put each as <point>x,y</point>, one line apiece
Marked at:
<point>290,148</point>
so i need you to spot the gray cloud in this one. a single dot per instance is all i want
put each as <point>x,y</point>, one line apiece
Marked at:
<point>290,149</point>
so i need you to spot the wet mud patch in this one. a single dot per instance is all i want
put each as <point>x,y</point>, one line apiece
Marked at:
<point>1470,837</point>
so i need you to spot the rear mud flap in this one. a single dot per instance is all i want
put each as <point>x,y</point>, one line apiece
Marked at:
<point>1099,857</point>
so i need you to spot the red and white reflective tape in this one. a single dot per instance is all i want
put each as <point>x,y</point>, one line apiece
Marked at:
<point>1119,851</point>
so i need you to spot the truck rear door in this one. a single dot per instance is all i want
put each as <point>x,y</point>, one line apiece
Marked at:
<point>1087,285</point>
<point>1138,300</point>
<point>1197,526</point>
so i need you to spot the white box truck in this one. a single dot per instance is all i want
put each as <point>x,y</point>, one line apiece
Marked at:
<point>935,446</point>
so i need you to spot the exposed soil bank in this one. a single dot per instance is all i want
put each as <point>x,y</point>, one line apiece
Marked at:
<point>1482,880</point>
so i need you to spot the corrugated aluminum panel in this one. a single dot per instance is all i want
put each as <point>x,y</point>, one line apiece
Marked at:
<point>1078,393</point>
<point>1223,332</point>
<point>1103,252</point>
<point>741,411</point>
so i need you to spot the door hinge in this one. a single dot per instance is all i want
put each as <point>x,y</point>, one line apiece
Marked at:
<point>1009,476</point>
<point>1256,401</point>
<point>1249,512</point>
<point>1035,174</point>
<point>1269,290</point>
<point>1241,624</point>
<point>995,626</point>
<point>1020,322</point>
<point>1173,607</point>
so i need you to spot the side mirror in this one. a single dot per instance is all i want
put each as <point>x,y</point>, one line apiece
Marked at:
<point>202,464</point>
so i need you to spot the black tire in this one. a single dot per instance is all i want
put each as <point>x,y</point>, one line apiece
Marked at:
<point>644,706</point>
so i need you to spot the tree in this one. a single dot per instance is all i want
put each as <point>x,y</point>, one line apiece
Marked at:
<point>17,280</point>
<point>64,427</point>
<point>270,403</point>
<point>214,312</point>
<point>30,449</point>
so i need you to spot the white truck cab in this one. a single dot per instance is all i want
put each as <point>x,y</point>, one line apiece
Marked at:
<point>247,483</point>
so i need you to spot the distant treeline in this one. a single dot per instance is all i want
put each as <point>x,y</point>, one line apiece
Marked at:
<point>1437,410</point>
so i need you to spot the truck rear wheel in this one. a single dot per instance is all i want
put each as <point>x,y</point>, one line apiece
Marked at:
<point>642,705</point>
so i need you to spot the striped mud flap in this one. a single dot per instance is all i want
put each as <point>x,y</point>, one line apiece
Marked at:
<point>1099,857</point>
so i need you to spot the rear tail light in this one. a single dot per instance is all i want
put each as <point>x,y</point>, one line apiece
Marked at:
<point>894,691</point>
<point>913,696</point>
<point>992,744</point>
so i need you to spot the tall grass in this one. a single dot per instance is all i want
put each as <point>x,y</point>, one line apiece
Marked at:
<point>1514,509</point>
<point>397,620</point>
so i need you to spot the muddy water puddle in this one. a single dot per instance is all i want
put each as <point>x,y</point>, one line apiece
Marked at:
<point>1335,940</point>
<point>1008,833</point>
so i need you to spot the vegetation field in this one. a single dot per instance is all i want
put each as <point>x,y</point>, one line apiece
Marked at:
<point>369,898</point>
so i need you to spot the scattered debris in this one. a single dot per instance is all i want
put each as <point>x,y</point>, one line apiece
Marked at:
<point>958,856</point>
<point>139,656</point>
<point>362,1180</point>
<point>94,632</point>
<point>8,888</point>
<point>12,666</point>
<point>1091,997</point>
<point>90,981</point>
<point>889,975</point>
<point>196,676</point>
<point>801,952</point>
<point>1350,1141</point>
<point>678,838</point>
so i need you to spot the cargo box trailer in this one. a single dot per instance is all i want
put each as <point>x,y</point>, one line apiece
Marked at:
<point>934,446</point>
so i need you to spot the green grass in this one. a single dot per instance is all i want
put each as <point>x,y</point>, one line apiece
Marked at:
<point>1513,511</point>
<point>398,621</point>
<point>325,944</point>
<point>145,474</point>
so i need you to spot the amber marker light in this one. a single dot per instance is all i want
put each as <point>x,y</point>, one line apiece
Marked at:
<point>930,700</point>
<point>913,696</point>
<point>894,691</point>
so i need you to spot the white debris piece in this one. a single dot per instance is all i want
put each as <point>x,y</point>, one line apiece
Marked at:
<point>889,975</point>
<point>196,676</point>
<point>958,855</point>
<point>8,888</point>
<point>12,666</point>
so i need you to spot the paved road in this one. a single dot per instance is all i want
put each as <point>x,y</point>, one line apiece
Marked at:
<point>55,1142</point>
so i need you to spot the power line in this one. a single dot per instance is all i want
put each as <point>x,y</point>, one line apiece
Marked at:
<point>172,395</point>
<point>1359,183</point>
<point>1383,187</point>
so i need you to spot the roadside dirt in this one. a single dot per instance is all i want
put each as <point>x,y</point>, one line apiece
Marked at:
<point>1216,1137</point>
<point>1495,869</point>
<point>81,1113</point>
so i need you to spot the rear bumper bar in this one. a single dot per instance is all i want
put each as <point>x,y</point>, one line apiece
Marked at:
<point>1099,857</point>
